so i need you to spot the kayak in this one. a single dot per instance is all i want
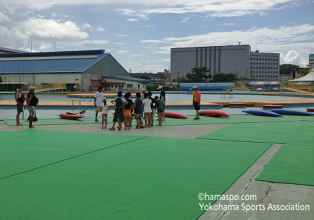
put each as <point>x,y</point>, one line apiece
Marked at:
<point>175,115</point>
<point>310,110</point>
<point>272,106</point>
<point>213,113</point>
<point>291,112</point>
<point>69,115</point>
<point>262,113</point>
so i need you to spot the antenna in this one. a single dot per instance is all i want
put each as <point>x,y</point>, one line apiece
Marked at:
<point>239,42</point>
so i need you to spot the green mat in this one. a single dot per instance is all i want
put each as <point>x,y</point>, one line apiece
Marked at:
<point>151,178</point>
<point>25,150</point>
<point>292,164</point>
<point>286,132</point>
<point>233,119</point>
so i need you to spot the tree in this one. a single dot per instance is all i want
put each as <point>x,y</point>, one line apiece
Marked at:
<point>221,77</point>
<point>199,75</point>
<point>286,69</point>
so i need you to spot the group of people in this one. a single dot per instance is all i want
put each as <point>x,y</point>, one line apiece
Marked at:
<point>143,107</point>
<point>31,102</point>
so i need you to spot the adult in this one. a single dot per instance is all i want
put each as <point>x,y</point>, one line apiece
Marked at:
<point>196,102</point>
<point>98,100</point>
<point>32,101</point>
<point>20,99</point>
<point>163,98</point>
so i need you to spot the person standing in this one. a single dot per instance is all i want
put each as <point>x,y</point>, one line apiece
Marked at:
<point>163,98</point>
<point>147,110</point>
<point>32,101</point>
<point>128,112</point>
<point>20,99</point>
<point>118,113</point>
<point>105,108</point>
<point>152,106</point>
<point>138,110</point>
<point>196,102</point>
<point>160,109</point>
<point>98,100</point>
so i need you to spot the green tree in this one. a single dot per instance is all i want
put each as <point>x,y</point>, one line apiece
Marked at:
<point>286,69</point>
<point>222,77</point>
<point>199,75</point>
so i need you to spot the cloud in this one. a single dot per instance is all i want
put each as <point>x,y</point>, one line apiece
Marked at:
<point>100,29</point>
<point>185,20</point>
<point>293,57</point>
<point>281,40</point>
<point>132,19</point>
<point>215,8</point>
<point>122,51</point>
<point>120,35</point>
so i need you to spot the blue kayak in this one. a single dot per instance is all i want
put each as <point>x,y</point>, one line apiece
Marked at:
<point>262,113</point>
<point>291,112</point>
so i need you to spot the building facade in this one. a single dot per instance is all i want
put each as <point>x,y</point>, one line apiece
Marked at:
<point>82,69</point>
<point>234,59</point>
<point>265,66</point>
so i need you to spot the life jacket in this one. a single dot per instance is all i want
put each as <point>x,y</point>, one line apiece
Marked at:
<point>119,103</point>
<point>21,99</point>
<point>34,99</point>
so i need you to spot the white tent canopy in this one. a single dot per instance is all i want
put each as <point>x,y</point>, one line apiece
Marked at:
<point>307,78</point>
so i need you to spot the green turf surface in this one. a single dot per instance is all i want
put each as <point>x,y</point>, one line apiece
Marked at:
<point>292,164</point>
<point>233,119</point>
<point>29,149</point>
<point>150,178</point>
<point>285,132</point>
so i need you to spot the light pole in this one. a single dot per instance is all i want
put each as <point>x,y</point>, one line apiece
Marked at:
<point>31,42</point>
<point>55,46</point>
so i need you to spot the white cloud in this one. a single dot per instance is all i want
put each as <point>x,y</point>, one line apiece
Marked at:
<point>152,41</point>
<point>293,57</point>
<point>120,35</point>
<point>122,51</point>
<point>185,20</point>
<point>51,29</point>
<point>215,8</point>
<point>132,19</point>
<point>101,29</point>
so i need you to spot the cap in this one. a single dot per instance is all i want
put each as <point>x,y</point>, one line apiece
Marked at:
<point>119,93</point>
<point>194,87</point>
<point>20,86</point>
<point>159,87</point>
<point>31,88</point>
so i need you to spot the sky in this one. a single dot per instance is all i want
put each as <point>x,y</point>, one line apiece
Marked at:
<point>139,34</point>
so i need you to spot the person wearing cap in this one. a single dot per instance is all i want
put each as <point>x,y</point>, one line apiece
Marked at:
<point>32,101</point>
<point>196,102</point>
<point>20,99</point>
<point>98,100</point>
<point>118,113</point>
<point>163,98</point>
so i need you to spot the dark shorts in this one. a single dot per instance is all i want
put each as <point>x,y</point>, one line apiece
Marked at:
<point>196,106</point>
<point>138,115</point>
<point>118,114</point>
<point>19,108</point>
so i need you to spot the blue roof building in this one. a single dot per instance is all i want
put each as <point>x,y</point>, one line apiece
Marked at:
<point>80,68</point>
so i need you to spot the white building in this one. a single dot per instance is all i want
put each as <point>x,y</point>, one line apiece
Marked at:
<point>234,59</point>
<point>265,66</point>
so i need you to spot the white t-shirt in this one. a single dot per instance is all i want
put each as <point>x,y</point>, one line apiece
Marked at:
<point>147,103</point>
<point>104,109</point>
<point>99,98</point>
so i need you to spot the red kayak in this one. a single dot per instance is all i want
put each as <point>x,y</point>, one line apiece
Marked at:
<point>175,115</point>
<point>69,115</point>
<point>310,110</point>
<point>213,113</point>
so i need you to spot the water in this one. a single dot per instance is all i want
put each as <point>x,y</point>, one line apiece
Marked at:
<point>185,97</point>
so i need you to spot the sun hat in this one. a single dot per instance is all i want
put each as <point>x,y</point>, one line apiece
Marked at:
<point>194,87</point>
<point>159,87</point>
<point>31,88</point>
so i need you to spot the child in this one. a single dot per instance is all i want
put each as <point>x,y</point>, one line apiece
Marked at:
<point>160,109</point>
<point>152,106</point>
<point>118,114</point>
<point>147,110</point>
<point>104,112</point>
<point>128,112</point>
<point>138,105</point>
